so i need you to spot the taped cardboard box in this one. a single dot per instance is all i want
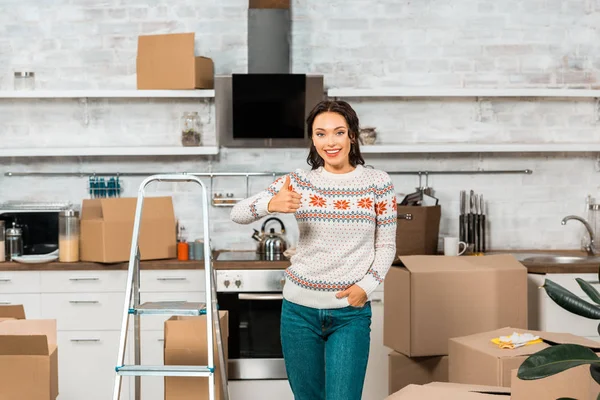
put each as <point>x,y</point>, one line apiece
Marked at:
<point>168,62</point>
<point>107,229</point>
<point>474,359</point>
<point>404,370</point>
<point>418,230</point>
<point>28,357</point>
<point>445,391</point>
<point>186,344</point>
<point>430,299</point>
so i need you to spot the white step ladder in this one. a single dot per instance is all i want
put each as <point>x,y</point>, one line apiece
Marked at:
<point>132,307</point>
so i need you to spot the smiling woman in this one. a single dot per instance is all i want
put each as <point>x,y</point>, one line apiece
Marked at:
<point>346,216</point>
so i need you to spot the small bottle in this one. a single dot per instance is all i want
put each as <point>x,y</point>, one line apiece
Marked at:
<point>182,246</point>
<point>68,236</point>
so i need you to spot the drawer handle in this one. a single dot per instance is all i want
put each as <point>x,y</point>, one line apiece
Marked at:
<point>5,280</point>
<point>173,278</point>
<point>593,282</point>
<point>376,300</point>
<point>161,340</point>
<point>83,301</point>
<point>5,303</point>
<point>84,340</point>
<point>83,279</point>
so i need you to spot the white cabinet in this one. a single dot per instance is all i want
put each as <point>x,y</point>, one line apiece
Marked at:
<point>376,380</point>
<point>260,390</point>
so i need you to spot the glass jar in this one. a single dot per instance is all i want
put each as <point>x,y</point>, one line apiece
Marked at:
<point>190,129</point>
<point>68,236</point>
<point>24,81</point>
<point>14,241</point>
<point>594,221</point>
<point>2,243</point>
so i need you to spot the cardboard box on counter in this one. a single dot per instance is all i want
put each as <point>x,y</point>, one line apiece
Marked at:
<point>431,299</point>
<point>417,235</point>
<point>107,229</point>
<point>404,371</point>
<point>28,356</point>
<point>446,391</point>
<point>475,359</point>
<point>186,344</point>
<point>168,62</point>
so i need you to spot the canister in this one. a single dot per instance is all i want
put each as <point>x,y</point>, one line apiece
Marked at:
<point>68,236</point>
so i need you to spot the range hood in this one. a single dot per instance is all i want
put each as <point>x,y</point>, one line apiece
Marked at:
<point>269,36</point>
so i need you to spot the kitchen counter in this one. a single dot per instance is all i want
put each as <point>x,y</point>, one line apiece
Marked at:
<point>547,268</point>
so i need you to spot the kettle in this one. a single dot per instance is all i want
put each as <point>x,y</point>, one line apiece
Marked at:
<point>270,245</point>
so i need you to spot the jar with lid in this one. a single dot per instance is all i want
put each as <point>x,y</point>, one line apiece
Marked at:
<point>68,236</point>
<point>190,129</point>
<point>594,221</point>
<point>2,243</point>
<point>14,241</point>
<point>24,81</point>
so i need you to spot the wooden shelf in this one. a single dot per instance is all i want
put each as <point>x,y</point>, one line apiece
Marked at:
<point>75,94</point>
<point>108,151</point>
<point>415,92</point>
<point>482,148</point>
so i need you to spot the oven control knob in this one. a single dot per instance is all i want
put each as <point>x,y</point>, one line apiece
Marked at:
<point>238,283</point>
<point>226,283</point>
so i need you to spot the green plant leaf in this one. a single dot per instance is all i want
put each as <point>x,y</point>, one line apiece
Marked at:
<point>556,359</point>
<point>589,290</point>
<point>570,301</point>
<point>595,372</point>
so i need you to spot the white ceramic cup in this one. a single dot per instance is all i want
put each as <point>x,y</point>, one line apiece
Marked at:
<point>451,246</point>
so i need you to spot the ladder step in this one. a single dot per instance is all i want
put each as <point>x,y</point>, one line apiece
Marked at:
<point>164,370</point>
<point>170,308</point>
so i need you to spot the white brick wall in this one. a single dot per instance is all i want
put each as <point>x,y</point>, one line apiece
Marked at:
<point>80,44</point>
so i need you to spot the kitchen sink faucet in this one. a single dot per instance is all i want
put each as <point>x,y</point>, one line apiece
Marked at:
<point>591,247</point>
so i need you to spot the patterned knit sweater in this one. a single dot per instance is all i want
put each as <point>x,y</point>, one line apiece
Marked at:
<point>347,226</point>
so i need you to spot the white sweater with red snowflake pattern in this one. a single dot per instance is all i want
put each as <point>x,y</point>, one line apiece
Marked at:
<point>347,225</point>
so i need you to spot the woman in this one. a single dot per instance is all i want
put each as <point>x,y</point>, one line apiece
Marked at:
<point>346,215</point>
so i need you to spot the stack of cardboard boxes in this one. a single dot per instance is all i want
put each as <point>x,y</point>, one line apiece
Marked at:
<point>28,356</point>
<point>430,299</point>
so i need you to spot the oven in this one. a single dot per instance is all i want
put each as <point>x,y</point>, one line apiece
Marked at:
<point>253,298</point>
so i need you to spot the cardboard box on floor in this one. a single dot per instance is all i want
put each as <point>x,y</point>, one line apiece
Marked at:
<point>107,228</point>
<point>475,359</point>
<point>186,344</point>
<point>404,371</point>
<point>446,391</point>
<point>417,235</point>
<point>431,299</point>
<point>168,62</point>
<point>28,356</point>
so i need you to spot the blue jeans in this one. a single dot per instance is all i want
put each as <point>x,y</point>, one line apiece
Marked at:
<point>325,351</point>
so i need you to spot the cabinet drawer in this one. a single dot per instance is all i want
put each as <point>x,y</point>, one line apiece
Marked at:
<point>557,319</point>
<point>86,364</point>
<point>83,281</point>
<point>172,280</point>
<point>84,311</point>
<point>157,322</point>
<point>32,303</point>
<point>19,282</point>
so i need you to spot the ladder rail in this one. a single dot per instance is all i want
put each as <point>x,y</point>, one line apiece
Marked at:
<point>132,292</point>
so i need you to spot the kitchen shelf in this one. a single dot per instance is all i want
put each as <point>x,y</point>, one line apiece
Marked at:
<point>458,92</point>
<point>108,151</point>
<point>482,148</point>
<point>76,94</point>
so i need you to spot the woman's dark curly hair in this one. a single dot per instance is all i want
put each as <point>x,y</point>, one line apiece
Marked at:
<point>346,111</point>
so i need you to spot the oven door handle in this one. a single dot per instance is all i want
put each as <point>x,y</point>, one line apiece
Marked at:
<point>260,296</point>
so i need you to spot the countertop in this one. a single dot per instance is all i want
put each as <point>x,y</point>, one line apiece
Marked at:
<point>244,263</point>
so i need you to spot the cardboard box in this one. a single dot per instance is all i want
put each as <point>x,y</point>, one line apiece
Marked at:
<point>186,344</point>
<point>475,359</point>
<point>434,298</point>
<point>419,234</point>
<point>574,383</point>
<point>28,357</point>
<point>169,62</point>
<point>404,370</point>
<point>107,229</point>
<point>444,391</point>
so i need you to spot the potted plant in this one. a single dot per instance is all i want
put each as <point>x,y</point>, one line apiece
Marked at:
<point>556,359</point>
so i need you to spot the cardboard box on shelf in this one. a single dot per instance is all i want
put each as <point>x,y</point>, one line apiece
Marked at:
<point>431,299</point>
<point>186,344</point>
<point>107,229</point>
<point>419,234</point>
<point>446,391</point>
<point>168,62</point>
<point>28,356</point>
<point>404,370</point>
<point>474,359</point>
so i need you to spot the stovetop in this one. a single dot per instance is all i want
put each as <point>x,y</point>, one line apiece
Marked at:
<point>243,256</point>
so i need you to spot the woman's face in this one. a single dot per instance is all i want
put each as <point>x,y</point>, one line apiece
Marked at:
<point>331,138</point>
